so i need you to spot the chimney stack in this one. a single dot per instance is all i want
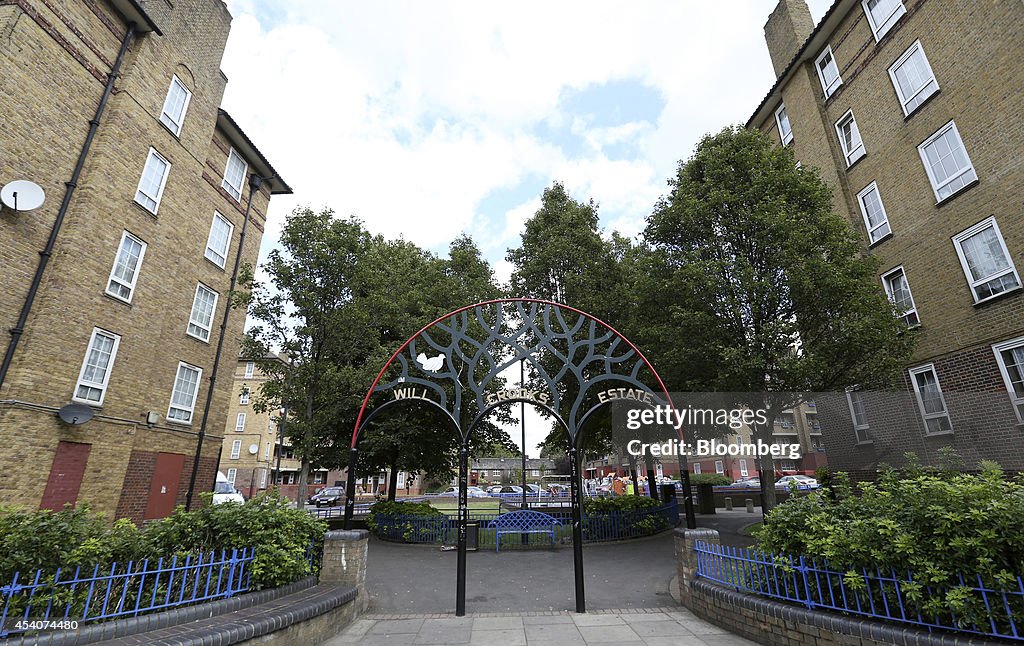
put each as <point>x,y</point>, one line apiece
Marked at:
<point>788,28</point>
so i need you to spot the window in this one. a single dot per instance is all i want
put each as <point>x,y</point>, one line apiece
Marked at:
<point>234,175</point>
<point>828,72</point>
<point>849,138</point>
<point>243,399</point>
<point>319,477</point>
<point>743,468</point>
<point>232,473</point>
<point>782,119</point>
<point>249,366</point>
<point>263,478</point>
<point>882,15</point>
<point>946,162</point>
<point>859,415</point>
<point>125,271</point>
<point>95,373</point>
<point>266,450</point>
<point>787,465</point>
<point>496,473</point>
<point>535,472</point>
<point>240,423</point>
<point>719,467</point>
<point>175,106</point>
<point>985,260</point>
<point>696,467</point>
<point>930,400</point>
<point>183,397</point>
<point>875,219</point>
<point>898,290</point>
<point>1010,356</point>
<point>913,78</point>
<point>151,185</point>
<point>201,318</point>
<point>236,449</point>
<point>219,240</point>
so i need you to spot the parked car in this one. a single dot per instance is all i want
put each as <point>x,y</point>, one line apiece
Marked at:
<point>494,489</point>
<point>533,491</point>
<point>746,483</point>
<point>224,491</point>
<point>509,490</point>
<point>802,482</point>
<point>328,497</point>
<point>471,492</point>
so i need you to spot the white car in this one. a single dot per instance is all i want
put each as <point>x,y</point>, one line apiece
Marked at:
<point>471,492</point>
<point>802,482</point>
<point>224,491</point>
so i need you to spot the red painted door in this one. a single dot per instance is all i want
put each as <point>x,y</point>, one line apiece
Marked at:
<point>163,491</point>
<point>65,475</point>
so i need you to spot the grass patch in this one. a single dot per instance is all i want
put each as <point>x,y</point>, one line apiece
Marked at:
<point>480,506</point>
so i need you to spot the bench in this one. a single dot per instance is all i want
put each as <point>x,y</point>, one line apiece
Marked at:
<point>523,522</point>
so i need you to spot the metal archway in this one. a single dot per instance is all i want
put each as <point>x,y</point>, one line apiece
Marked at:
<point>475,344</point>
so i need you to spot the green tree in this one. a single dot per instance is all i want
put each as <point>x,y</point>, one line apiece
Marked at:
<point>763,289</point>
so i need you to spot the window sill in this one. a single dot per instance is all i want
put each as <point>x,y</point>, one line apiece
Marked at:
<point>866,443</point>
<point>940,434</point>
<point>144,208</point>
<point>178,422</point>
<point>196,338</point>
<point>999,296</point>
<point>855,162</point>
<point>92,405</point>
<point>947,200</point>
<point>118,299</point>
<point>922,104</point>
<point>214,263</point>
<point>880,240</point>
<point>176,135</point>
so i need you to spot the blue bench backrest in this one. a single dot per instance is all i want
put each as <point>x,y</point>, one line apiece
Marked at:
<point>524,519</point>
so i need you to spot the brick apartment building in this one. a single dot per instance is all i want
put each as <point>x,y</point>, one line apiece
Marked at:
<point>910,110</point>
<point>112,107</point>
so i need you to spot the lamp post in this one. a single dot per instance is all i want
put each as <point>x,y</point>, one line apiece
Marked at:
<point>523,538</point>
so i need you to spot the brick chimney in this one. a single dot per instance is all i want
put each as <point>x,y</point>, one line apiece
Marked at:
<point>787,29</point>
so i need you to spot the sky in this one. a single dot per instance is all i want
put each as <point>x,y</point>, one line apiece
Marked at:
<point>430,119</point>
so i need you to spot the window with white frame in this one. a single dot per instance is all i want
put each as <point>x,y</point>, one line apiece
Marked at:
<point>875,218</point>
<point>94,375</point>
<point>898,290</point>
<point>236,449</point>
<point>743,468</point>
<point>219,240</point>
<point>828,72</point>
<point>859,415</point>
<point>849,138</point>
<point>946,162</point>
<point>696,467</point>
<point>930,400</point>
<point>175,106</point>
<point>263,478</point>
<point>882,15</point>
<point>319,477</point>
<point>240,423</point>
<point>249,367</point>
<point>232,474</point>
<point>787,465</point>
<point>535,472</point>
<point>266,450</point>
<point>1010,356</point>
<point>201,319</point>
<point>234,175</point>
<point>719,466</point>
<point>183,396</point>
<point>125,272</point>
<point>243,398</point>
<point>913,78</point>
<point>782,120</point>
<point>496,473</point>
<point>985,260</point>
<point>152,182</point>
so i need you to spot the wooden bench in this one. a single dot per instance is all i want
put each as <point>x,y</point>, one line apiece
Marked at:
<point>523,522</point>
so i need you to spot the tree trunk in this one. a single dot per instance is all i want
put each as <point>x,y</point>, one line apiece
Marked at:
<point>652,479</point>
<point>303,478</point>
<point>393,482</point>
<point>766,473</point>
<point>633,474</point>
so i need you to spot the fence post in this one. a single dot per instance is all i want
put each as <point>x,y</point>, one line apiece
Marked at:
<point>806,596</point>
<point>231,573</point>
<point>344,562</point>
<point>686,558</point>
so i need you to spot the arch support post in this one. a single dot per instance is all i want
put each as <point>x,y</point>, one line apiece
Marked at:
<point>577,525</point>
<point>350,487</point>
<point>460,584</point>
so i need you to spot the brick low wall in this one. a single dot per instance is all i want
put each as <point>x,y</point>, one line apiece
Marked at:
<point>774,623</point>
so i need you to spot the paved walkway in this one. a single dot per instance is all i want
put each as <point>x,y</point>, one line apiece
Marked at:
<point>651,627</point>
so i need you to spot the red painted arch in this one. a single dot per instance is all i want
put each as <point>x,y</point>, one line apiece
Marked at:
<point>369,393</point>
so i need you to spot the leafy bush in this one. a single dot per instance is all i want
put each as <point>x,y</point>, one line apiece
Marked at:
<point>407,521</point>
<point>618,503</point>
<point>621,517</point>
<point>715,479</point>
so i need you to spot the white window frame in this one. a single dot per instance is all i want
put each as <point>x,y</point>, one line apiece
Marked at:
<point>165,116</point>
<point>228,186</point>
<point>827,88</point>
<point>263,478</point>
<point>858,150</point>
<point>219,257</point>
<point>319,477</point>
<point>192,321</point>
<point>266,450</point>
<point>861,429</point>
<point>102,384</point>
<point>884,224</point>
<point>719,466</point>
<point>1017,401</point>
<point>696,468</point>
<point>249,369</point>
<point>743,468</point>
<point>236,449</point>
<point>968,170</point>
<point>190,409</point>
<point>919,96</point>
<point>243,397</point>
<point>240,423</point>
<point>785,137</point>
<point>929,367</point>
<point>163,182</point>
<point>113,278</point>
<point>958,240</point>
<point>912,310</point>
<point>881,29</point>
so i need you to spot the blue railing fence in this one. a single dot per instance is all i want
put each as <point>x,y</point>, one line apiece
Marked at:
<point>99,593</point>
<point>984,608</point>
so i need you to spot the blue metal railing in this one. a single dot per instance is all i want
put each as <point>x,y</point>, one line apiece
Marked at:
<point>111,591</point>
<point>984,608</point>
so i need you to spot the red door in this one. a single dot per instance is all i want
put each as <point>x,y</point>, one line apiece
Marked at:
<point>65,475</point>
<point>163,492</point>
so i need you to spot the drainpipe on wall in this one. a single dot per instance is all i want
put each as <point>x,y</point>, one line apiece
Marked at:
<point>255,181</point>
<point>71,185</point>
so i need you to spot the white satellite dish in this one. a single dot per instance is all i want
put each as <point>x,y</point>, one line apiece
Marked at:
<point>22,195</point>
<point>253,448</point>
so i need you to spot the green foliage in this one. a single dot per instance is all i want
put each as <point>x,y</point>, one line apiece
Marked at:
<point>715,479</point>
<point>393,520</point>
<point>618,503</point>
<point>624,516</point>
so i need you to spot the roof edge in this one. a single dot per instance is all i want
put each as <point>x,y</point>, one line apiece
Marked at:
<point>134,13</point>
<point>249,150</point>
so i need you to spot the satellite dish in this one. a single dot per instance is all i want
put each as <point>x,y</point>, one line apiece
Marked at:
<point>75,414</point>
<point>22,195</point>
<point>253,448</point>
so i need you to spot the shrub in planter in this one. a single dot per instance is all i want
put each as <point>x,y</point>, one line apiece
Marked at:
<point>408,521</point>
<point>623,515</point>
